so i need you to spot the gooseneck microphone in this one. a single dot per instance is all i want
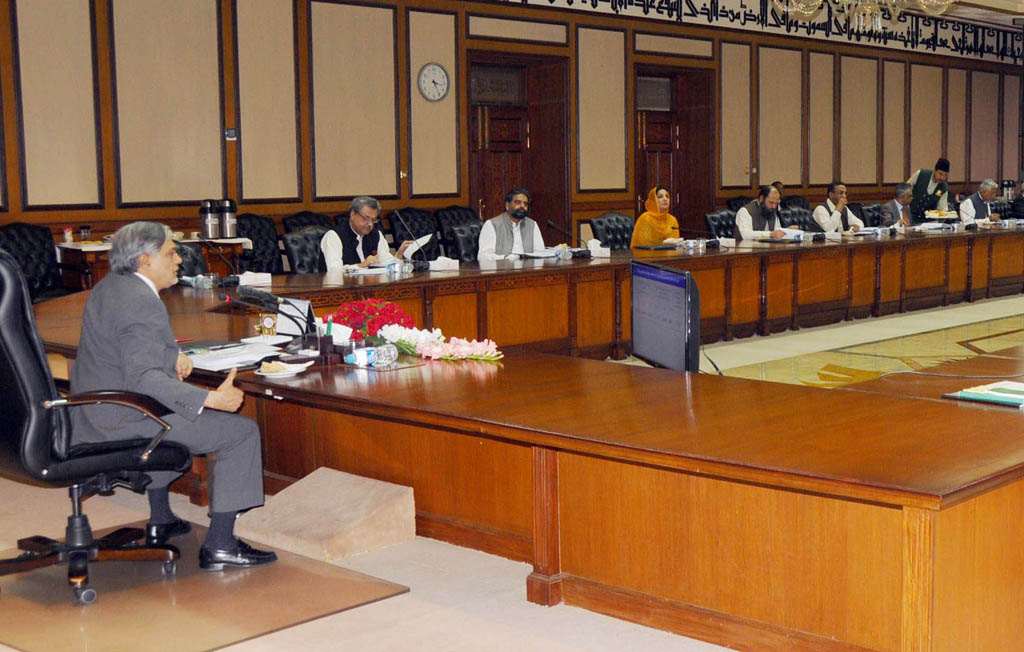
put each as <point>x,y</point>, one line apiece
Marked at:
<point>261,296</point>
<point>263,306</point>
<point>212,246</point>
<point>419,266</point>
<point>561,229</point>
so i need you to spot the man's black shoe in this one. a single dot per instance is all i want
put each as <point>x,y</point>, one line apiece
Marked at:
<point>157,534</point>
<point>244,556</point>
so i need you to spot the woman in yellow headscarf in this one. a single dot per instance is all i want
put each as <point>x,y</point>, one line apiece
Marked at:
<point>656,223</point>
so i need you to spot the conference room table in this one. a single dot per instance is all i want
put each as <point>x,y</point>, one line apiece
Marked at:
<point>750,514</point>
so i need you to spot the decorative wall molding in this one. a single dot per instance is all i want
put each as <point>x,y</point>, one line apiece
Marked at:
<point>910,32</point>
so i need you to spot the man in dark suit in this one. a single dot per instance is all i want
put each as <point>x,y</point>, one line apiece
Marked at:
<point>127,343</point>
<point>897,210</point>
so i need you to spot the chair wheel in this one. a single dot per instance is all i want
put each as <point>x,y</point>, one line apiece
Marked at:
<point>170,567</point>
<point>85,595</point>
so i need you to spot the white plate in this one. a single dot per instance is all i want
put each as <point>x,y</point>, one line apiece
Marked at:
<point>272,340</point>
<point>292,370</point>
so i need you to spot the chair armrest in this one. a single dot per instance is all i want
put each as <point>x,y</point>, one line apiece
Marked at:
<point>149,406</point>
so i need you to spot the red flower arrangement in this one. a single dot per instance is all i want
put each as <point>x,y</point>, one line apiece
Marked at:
<point>368,316</point>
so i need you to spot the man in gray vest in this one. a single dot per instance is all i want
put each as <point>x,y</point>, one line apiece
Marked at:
<point>975,208</point>
<point>760,218</point>
<point>513,232</point>
<point>930,190</point>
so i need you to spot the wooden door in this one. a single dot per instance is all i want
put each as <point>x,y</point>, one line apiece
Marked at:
<point>547,168</point>
<point>695,154</point>
<point>655,161</point>
<point>499,147</point>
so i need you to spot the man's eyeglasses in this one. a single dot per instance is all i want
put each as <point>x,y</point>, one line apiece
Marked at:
<point>369,218</point>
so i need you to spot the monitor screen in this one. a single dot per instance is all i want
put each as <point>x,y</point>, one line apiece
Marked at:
<point>666,317</point>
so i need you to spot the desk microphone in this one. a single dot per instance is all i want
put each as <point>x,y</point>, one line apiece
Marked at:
<point>260,296</point>
<point>417,265</point>
<point>561,229</point>
<point>265,307</point>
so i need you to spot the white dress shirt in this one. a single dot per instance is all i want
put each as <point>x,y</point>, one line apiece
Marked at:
<point>831,221</point>
<point>943,200</point>
<point>333,250</point>
<point>485,245</point>
<point>967,214</point>
<point>745,225</point>
<point>151,284</point>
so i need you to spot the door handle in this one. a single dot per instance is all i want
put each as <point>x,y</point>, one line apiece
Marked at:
<point>480,209</point>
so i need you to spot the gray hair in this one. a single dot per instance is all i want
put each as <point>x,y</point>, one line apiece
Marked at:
<point>133,240</point>
<point>902,189</point>
<point>361,202</point>
<point>987,184</point>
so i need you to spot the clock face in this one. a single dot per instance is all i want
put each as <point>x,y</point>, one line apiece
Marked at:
<point>433,82</point>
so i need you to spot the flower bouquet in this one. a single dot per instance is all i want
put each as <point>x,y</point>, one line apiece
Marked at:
<point>459,349</point>
<point>367,317</point>
<point>407,339</point>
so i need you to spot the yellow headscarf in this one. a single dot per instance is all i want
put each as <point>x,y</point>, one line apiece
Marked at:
<point>654,225</point>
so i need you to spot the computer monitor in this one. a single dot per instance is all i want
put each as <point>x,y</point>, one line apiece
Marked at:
<point>666,317</point>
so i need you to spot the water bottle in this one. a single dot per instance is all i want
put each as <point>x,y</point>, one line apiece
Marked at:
<point>386,355</point>
<point>362,357</point>
<point>395,268</point>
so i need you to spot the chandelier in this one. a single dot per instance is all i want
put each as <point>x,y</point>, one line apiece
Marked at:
<point>861,15</point>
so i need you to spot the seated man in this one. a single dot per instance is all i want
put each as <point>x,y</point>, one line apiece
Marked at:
<point>760,217</point>
<point>513,232</point>
<point>834,216</point>
<point>975,208</point>
<point>362,241</point>
<point>127,344</point>
<point>897,210</point>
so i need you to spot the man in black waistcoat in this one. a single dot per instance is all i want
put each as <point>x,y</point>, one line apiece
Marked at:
<point>760,217</point>
<point>976,208</point>
<point>930,190</point>
<point>360,242</point>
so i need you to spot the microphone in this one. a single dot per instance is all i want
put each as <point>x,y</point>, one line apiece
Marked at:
<point>212,246</point>
<point>560,229</point>
<point>259,295</point>
<point>268,308</point>
<point>405,225</point>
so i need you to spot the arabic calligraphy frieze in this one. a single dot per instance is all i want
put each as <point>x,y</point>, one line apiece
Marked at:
<point>932,35</point>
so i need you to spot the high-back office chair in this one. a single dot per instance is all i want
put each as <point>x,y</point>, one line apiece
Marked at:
<point>265,255</point>
<point>794,200</point>
<point>466,242</point>
<point>800,218</point>
<point>32,246</point>
<point>721,224</point>
<point>302,219</point>
<point>192,261</point>
<point>614,230</point>
<point>871,215</point>
<point>447,219</point>
<point>36,448</point>
<point>421,223</point>
<point>737,203</point>
<point>303,250</point>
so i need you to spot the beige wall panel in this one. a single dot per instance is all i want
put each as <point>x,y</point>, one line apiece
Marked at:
<point>858,129</point>
<point>168,99</point>
<point>1011,127</point>
<point>520,30</point>
<point>735,148</point>
<point>893,125</point>
<point>925,116</point>
<point>779,125</point>
<point>659,44</point>
<point>354,100</point>
<point>59,120</point>
<point>956,124</point>
<point>985,149</point>
<point>435,163</point>
<point>601,88</point>
<point>821,118</point>
<point>267,102</point>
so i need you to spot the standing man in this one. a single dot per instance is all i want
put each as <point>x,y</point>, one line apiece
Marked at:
<point>897,210</point>
<point>930,190</point>
<point>976,208</point>
<point>834,216</point>
<point>361,242</point>
<point>513,232</point>
<point>127,344</point>
<point>760,217</point>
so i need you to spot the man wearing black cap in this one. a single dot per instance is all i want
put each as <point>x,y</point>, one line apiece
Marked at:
<point>930,190</point>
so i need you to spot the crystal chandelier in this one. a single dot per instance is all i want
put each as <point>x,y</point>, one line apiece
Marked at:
<point>861,15</point>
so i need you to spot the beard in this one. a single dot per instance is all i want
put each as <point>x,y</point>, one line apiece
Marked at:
<point>519,213</point>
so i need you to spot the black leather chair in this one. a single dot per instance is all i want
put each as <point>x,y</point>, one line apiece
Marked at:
<point>36,448</point>
<point>466,242</point>
<point>800,218</point>
<point>302,219</point>
<point>614,230</point>
<point>447,219</point>
<point>192,261</point>
<point>795,201</point>
<point>737,203</point>
<point>421,223</point>
<point>871,215</point>
<point>1000,207</point>
<point>303,250</point>
<point>33,247</point>
<point>721,224</point>
<point>265,255</point>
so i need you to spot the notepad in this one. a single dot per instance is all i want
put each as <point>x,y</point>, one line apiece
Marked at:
<point>1004,392</point>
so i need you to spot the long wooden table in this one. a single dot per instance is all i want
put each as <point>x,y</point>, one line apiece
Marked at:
<point>755,515</point>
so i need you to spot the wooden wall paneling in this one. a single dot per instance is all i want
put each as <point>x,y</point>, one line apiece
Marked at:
<point>863,281</point>
<point>980,253</point>
<point>595,322</point>
<point>779,101</point>
<point>288,435</point>
<point>858,120</point>
<point>516,30</point>
<point>779,274</point>
<point>662,45</point>
<point>923,273</point>
<point>1006,265</point>
<point>890,279</point>
<point>735,105</point>
<point>925,116</point>
<point>455,313</point>
<point>820,118</point>
<point>894,133</point>
<point>985,147</point>
<point>958,271</point>
<point>58,111</point>
<point>956,124</point>
<point>823,286</point>
<point>602,104</point>
<point>744,296</point>
<point>168,155</point>
<point>269,148</point>
<point>544,298</point>
<point>434,153</point>
<point>1011,163</point>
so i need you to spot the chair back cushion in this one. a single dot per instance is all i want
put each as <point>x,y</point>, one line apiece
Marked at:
<point>800,218</point>
<point>795,200</point>
<point>421,223</point>
<point>721,224</point>
<point>449,218</point>
<point>33,247</point>
<point>265,255</point>
<point>302,219</point>
<point>303,250</point>
<point>29,434</point>
<point>192,261</point>
<point>466,241</point>
<point>871,215</point>
<point>614,230</point>
<point>737,203</point>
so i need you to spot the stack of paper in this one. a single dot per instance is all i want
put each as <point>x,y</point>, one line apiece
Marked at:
<point>1004,392</point>
<point>226,357</point>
